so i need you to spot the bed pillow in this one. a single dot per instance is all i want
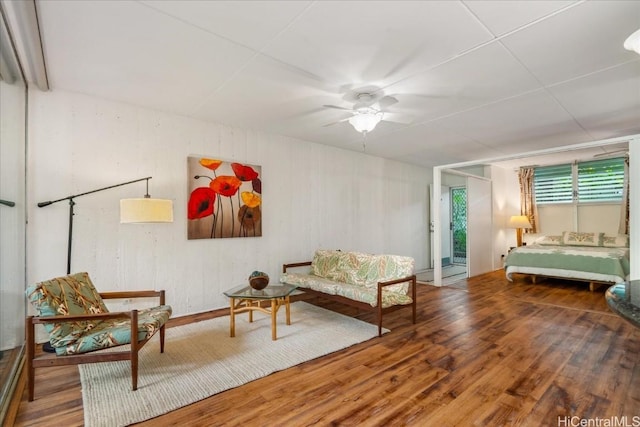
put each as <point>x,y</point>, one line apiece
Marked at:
<point>617,241</point>
<point>550,240</point>
<point>575,238</point>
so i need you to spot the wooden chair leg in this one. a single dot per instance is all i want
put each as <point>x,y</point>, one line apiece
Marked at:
<point>162,339</point>
<point>30,338</point>
<point>134,350</point>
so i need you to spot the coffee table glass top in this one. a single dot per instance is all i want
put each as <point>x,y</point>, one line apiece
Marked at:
<point>280,290</point>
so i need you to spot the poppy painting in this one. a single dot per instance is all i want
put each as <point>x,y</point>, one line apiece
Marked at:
<point>225,199</point>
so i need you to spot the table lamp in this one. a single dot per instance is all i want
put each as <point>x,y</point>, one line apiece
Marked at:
<point>519,222</point>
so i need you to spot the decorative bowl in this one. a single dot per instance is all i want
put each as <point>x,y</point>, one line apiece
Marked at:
<point>258,280</point>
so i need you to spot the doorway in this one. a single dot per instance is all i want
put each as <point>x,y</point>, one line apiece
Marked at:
<point>458,225</point>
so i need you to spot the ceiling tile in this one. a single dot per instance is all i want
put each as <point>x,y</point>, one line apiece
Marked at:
<point>604,101</point>
<point>249,23</point>
<point>503,16</point>
<point>123,50</point>
<point>480,77</point>
<point>585,39</point>
<point>533,121</point>
<point>347,43</point>
<point>428,145</point>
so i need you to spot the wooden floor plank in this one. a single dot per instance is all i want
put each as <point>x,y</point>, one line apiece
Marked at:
<point>484,351</point>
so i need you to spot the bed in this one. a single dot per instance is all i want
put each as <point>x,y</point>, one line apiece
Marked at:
<point>591,257</point>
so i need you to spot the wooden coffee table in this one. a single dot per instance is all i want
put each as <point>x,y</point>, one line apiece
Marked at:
<point>245,298</point>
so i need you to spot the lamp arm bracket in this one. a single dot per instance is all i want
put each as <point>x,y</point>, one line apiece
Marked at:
<point>43,204</point>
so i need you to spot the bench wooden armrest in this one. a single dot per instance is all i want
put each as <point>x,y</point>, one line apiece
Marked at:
<point>295,264</point>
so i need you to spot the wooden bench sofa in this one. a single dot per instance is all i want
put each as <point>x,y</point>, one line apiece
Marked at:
<point>372,283</point>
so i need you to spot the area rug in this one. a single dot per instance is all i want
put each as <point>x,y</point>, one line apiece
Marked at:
<point>200,360</point>
<point>452,273</point>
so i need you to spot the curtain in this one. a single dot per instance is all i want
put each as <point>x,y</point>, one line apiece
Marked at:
<point>623,228</point>
<point>527,198</point>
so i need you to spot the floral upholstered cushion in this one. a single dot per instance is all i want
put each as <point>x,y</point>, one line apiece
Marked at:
<point>113,332</point>
<point>63,296</point>
<point>75,295</point>
<point>355,292</point>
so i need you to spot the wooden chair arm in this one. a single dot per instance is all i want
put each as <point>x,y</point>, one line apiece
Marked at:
<point>134,294</point>
<point>79,317</point>
<point>130,294</point>
<point>295,264</point>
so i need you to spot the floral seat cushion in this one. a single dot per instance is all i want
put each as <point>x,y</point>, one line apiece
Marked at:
<point>354,292</point>
<point>76,295</point>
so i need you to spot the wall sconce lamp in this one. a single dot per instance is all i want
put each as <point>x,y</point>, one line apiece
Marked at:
<point>519,222</point>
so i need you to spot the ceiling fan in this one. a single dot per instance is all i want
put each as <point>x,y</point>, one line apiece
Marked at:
<point>369,108</point>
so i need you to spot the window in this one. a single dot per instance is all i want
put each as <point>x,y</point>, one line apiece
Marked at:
<point>553,184</point>
<point>601,180</point>
<point>595,181</point>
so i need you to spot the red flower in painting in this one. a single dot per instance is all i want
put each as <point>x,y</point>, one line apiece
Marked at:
<point>244,173</point>
<point>212,164</point>
<point>201,203</point>
<point>225,185</point>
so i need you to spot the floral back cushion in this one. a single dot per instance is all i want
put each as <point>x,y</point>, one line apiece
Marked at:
<point>63,296</point>
<point>362,269</point>
<point>575,238</point>
<point>616,241</point>
<point>550,240</point>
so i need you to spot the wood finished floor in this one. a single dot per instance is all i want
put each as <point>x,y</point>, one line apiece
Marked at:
<point>484,352</point>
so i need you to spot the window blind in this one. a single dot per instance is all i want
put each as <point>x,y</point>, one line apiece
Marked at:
<point>594,181</point>
<point>553,184</point>
<point>601,180</point>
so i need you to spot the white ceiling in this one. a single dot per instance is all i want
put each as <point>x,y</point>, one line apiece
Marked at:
<point>474,79</point>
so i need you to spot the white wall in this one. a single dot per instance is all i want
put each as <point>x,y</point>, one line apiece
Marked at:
<point>314,196</point>
<point>506,201</point>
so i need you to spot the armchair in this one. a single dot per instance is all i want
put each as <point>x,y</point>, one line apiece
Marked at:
<point>79,323</point>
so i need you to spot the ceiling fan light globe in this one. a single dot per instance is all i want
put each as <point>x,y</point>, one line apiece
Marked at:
<point>365,122</point>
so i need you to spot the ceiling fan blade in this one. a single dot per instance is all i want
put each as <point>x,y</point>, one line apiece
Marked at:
<point>397,118</point>
<point>336,122</point>
<point>337,108</point>
<point>387,101</point>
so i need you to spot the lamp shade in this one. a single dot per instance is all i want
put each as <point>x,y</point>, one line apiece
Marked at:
<point>145,210</point>
<point>365,122</point>
<point>519,221</point>
<point>633,42</point>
